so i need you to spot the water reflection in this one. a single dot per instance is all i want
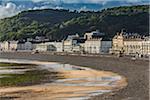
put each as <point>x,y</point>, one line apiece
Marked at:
<point>78,83</point>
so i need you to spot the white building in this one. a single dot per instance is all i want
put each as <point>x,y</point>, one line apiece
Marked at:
<point>131,44</point>
<point>15,45</point>
<point>73,43</point>
<point>6,46</point>
<point>105,46</point>
<point>9,45</point>
<point>57,45</point>
<point>92,46</point>
<point>96,44</point>
<point>45,47</point>
<point>1,44</point>
<point>132,47</point>
<point>28,46</point>
<point>137,47</point>
<point>50,46</point>
<point>24,46</point>
<point>146,47</point>
<point>93,34</point>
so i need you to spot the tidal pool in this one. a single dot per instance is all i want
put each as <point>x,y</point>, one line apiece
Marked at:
<point>73,82</point>
<point>13,74</point>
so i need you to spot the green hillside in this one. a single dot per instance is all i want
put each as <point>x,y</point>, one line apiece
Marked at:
<point>57,24</point>
<point>110,21</point>
<point>32,23</point>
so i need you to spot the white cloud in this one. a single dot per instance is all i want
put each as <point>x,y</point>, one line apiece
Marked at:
<point>51,1</point>
<point>84,8</point>
<point>46,7</point>
<point>38,0</point>
<point>70,1</point>
<point>85,1</point>
<point>58,7</point>
<point>42,7</point>
<point>8,10</point>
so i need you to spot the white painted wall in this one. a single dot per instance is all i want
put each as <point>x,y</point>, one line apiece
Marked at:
<point>105,46</point>
<point>28,46</point>
<point>92,46</point>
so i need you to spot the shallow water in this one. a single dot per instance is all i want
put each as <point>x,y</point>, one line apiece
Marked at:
<point>80,81</point>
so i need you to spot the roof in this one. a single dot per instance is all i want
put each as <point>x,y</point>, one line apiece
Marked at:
<point>106,39</point>
<point>81,40</point>
<point>129,36</point>
<point>95,33</point>
<point>71,37</point>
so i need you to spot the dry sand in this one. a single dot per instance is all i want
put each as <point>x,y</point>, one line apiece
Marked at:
<point>59,91</point>
<point>136,72</point>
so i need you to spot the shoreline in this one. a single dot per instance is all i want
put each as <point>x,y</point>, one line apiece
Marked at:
<point>77,83</point>
<point>136,72</point>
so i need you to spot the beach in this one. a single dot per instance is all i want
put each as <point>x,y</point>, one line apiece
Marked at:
<point>136,72</point>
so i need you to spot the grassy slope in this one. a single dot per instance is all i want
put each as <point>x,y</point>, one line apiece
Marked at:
<point>57,24</point>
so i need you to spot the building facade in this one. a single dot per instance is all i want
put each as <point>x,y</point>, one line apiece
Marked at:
<point>45,47</point>
<point>146,47</point>
<point>105,46</point>
<point>73,44</point>
<point>96,44</point>
<point>15,45</point>
<point>117,44</point>
<point>9,45</point>
<point>130,44</point>
<point>92,46</point>
<point>132,47</point>
<point>50,46</point>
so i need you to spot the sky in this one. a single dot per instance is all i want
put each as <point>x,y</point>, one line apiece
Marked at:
<point>10,8</point>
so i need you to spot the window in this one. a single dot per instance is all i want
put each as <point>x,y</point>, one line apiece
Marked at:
<point>131,46</point>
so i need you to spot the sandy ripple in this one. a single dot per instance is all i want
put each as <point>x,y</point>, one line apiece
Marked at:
<point>78,85</point>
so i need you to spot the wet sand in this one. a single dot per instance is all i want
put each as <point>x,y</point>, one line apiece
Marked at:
<point>59,91</point>
<point>137,72</point>
<point>77,83</point>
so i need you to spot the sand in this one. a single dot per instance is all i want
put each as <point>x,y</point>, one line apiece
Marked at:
<point>78,84</point>
<point>60,91</point>
<point>136,72</point>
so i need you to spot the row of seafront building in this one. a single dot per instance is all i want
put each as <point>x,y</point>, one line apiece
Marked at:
<point>130,44</point>
<point>91,43</point>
